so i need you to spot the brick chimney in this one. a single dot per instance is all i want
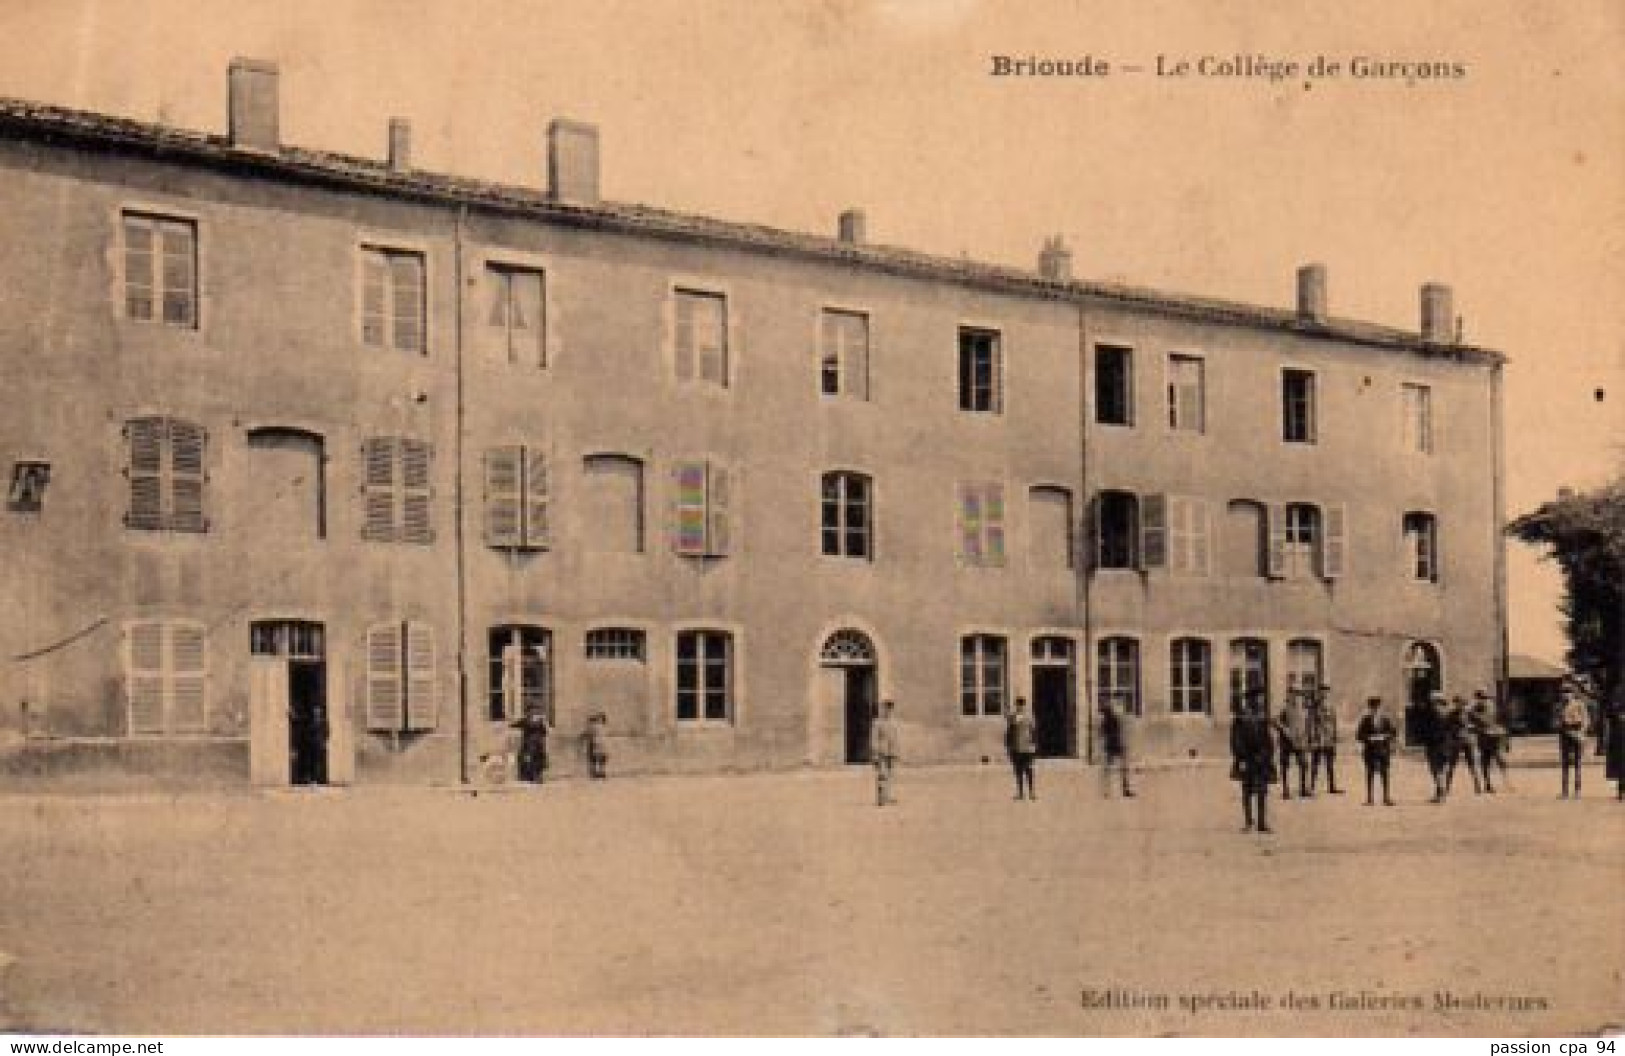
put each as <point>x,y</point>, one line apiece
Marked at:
<point>572,161</point>
<point>252,87</point>
<point>400,144</point>
<point>1312,293</point>
<point>1438,314</point>
<point>853,227</point>
<point>1055,261</point>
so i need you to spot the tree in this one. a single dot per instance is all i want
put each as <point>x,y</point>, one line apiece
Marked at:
<point>1586,535</point>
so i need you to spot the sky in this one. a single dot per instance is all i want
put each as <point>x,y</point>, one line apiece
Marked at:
<point>1507,182</point>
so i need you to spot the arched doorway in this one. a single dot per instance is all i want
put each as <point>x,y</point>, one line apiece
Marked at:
<point>853,655</point>
<point>1424,676</point>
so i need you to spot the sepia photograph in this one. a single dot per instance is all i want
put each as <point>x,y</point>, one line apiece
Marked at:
<point>836,518</point>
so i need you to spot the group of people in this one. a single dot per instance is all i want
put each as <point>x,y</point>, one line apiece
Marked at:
<point>534,728</point>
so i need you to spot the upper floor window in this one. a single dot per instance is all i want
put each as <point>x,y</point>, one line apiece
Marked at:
<point>843,353</point>
<point>1302,541</point>
<point>392,299</point>
<point>165,676</point>
<point>981,385</point>
<point>705,676</point>
<point>1187,394</point>
<point>1422,546</point>
<point>616,643</point>
<point>702,502</point>
<point>160,269</point>
<point>165,470</point>
<point>701,338</point>
<point>848,515</point>
<point>402,683</point>
<point>1114,385</point>
<point>518,313</point>
<point>612,503</point>
<point>1190,676</point>
<point>1298,406</point>
<point>1117,530</point>
<point>1306,540</point>
<point>1050,518</point>
<point>517,498</point>
<point>983,674</point>
<point>981,523</point>
<point>1117,673</point>
<point>1416,425</point>
<point>395,491</point>
<point>1156,531</point>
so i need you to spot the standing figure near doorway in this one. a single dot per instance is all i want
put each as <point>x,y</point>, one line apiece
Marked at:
<point>1436,742</point>
<point>1114,749</point>
<point>1376,733</point>
<point>1252,751</point>
<point>532,727</point>
<point>310,748</point>
<point>1292,733</point>
<point>1022,747</point>
<point>1322,723</point>
<point>1492,740</point>
<point>885,748</point>
<point>1463,744</point>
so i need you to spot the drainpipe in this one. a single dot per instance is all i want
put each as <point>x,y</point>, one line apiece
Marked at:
<point>1498,498</point>
<point>1080,557</point>
<point>457,498</point>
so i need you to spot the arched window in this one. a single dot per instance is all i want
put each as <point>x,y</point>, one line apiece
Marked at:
<point>1305,664</point>
<point>847,648</point>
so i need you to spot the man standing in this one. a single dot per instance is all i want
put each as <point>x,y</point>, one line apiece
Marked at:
<point>1572,721</point>
<point>1436,742</point>
<point>1462,744</point>
<point>1114,749</point>
<point>1293,735</point>
<point>1492,738</point>
<point>532,726</point>
<point>1252,752</point>
<point>1322,723</point>
<point>1376,733</point>
<point>598,745</point>
<point>884,748</point>
<point>1023,748</point>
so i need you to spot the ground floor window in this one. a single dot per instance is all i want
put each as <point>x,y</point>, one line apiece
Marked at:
<point>983,674</point>
<point>520,663</point>
<point>616,643</point>
<point>166,676</point>
<point>1117,674</point>
<point>1305,665</point>
<point>1249,670</point>
<point>704,676</point>
<point>1190,676</point>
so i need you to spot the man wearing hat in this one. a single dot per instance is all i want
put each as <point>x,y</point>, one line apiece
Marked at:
<point>1436,741</point>
<point>1292,736</point>
<point>1252,752</point>
<point>1322,723</point>
<point>885,746</point>
<point>1491,737</point>
<point>1376,733</point>
<point>1460,744</point>
<point>1572,720</point>
<point>532,726</point>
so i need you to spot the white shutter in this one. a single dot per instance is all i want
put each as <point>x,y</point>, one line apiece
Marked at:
<point>683,334</point>
<point>374,276</point>
<point>144,671</point>
<point>718,511</point>
<point>1201,528</point>
<point>406,301</point>
<point>1153,531</point>
<point>1275,548</point>
<point>1334,546</point>
<point>422,686</point>
<point>383,684</point>
<point>538,533</point>
<point>188,678</point>
<point>503,527</point>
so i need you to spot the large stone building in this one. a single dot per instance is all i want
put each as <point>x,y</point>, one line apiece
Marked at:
<point>321,467</point>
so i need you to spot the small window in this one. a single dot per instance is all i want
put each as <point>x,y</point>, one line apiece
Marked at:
<point>1117,530</point>
<point>1417,422</point>
<point>519,669</point>
<point>1187,394</point>
<point>983,674</point>
<point>1190,676</point>
<point>981,524</point>
<point>293,639</point>
<point>1249,670</point>
<point>396,495</point>
<point>160,270</point>
<point>701,340</point>
<point>980,371</point>
<point>1305,665</point>
<point>1114,385</point>
<point>28,481</point>
<point>843,354</point>
<point>848,516</point>
<point>1303,541</point>
<point>702,515</point>
<point>1422,546</point>
<point>166,676</point>
<point>1298,406</point>
<point>164,466</point>
<point>1050,518</point>
<point>613,503</point>
<point>1117,674</point>
<point>392,299</point>
<point>616,643</point>
<point>704,676</point>
<point>517,317</point>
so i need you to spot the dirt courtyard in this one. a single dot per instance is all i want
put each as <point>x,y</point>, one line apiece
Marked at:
<point>788,904</point>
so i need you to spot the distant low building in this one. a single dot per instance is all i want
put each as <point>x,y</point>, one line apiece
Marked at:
<point>1534,688</point>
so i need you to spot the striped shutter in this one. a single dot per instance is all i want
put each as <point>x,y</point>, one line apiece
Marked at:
<point>140,286</point>
<point>186,477</point>
<point>374,273</point>
<point>688,509</point>
<point>1275,546</point>
<point>1154,531</point>
<point>378,489</point>
<point>417,521</point>
<point>718,510</point>
<point>188,678</point>
<point>406,300</point>
<point>147,437</point>
<point>1201,527</point>
<point>422,687</point>
<point>144,667</point>
<point>383,696</point>
<point>993,523</point>
<point>683,335</point>
<point>503,527</point>
<point>538,533</point>
<point>970,523</point>
<point>1334,547</point>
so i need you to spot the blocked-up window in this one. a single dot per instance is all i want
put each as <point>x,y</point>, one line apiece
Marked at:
<point>1187,394</point>
<point>1114,385</point>
<point>981,523</point>
<point>1298,406</point>
<point>1190,676</point>
<point>165,468</point>
<point>401,693</point>
<point>612,503</point>
<point>1422,545</point>
<point>165,676</point>
<point>519,666</point>
<point>701,338</point>
<point>392,299</point>
<point>981,381</point>
<point>847,502</point>
<point>1117,673</point>
<point>1050,518</point>
<point>160,269</point>
<point>517,314</point>
<point>517,498</point>
<point>704,676</point>
<point>702,509</point>
<point>397,499</point>
<point>984,674</point>
<point>1416,423</point>
<point>843,353</point>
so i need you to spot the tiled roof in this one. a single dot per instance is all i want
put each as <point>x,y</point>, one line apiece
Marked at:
<point>22,119</point>
<point>1520,666</point>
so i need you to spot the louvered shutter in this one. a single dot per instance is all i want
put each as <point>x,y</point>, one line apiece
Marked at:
<point>503,527</point>
<point>993,523</point>
<point>374,277</point>
<point>538,532</point>
<point>688,509</point>
<point>147,438</point>
<point>144,667</point>
<point>140,287</point>
<point>1275,541</point>
<point>683,335</point>
<point>970,523</point>
<point>188,678</point>
<point>186,477</point>
<point>1153,531</point>
<point>417,524</point>
<point>422,687</point>
<point>406,300</point>
<point>1201,526</point>
<point>718,511</point>
<point>383,687</point>
<point>378,489</point>
<point>1334,547</point>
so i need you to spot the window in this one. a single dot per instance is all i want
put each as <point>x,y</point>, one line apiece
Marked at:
<point>1305,667</point>
<point>402,687</point>
<point>1249,670</point>
<point>843,354</point>
<point>702,516</point>
<point>1417,423</point>
<point>613,504</point>
<point>704,676</point>
<point>1190,676</point>
<point>1117,673</point>
<point>396,496</point>
<point>980,380</point>
<point>701,341</point>
<point>518,314</point>
<point>981,524</point>
<point>616,643</point>
<point>1302,540</point>
<point>160,270</point>
<point>28,481</point>
<point>983,674</point>
<point>165,470</point>
<point>1050,515</point>
<point>392,299</point>
<point>1306,540</point>
<point>848,515</point>
<point>1052,650</point>
<point>1187,394</point>
<point>1117,530</point>
<point>519,666</point>
<point>1422,546</point>
<point>1298,406</point>
<point>292,639</point>
<point>1114,385</point>
<point>165,676</point>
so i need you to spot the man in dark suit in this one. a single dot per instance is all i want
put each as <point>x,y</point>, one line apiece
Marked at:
<point>1023,748</point>
<point>1252,750</point>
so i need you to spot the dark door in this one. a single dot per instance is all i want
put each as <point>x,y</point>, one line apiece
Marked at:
<point>860,711</point>
<point>1052,711</point>
<point>307,721</point>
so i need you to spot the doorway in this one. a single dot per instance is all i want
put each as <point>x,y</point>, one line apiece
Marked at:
<point>1424,676</point>
<point>853,654</point>
<point>1054,697</point>
<point>300,646</point>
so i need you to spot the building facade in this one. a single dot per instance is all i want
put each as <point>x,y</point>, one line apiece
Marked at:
<point>323,468</point>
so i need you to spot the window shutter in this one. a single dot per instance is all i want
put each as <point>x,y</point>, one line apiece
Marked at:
<point>186,443</point>
<point>406,286</point>
<point>503,527</point>
<point>146,437</point>
<point>1153,531</point>
<point>970,523</point>
<point>1201,526</point>
<point>688,509</point>
<point>374,270</point>
<point>378,489</point>
<point>383,693</point>
<point>1275,541</point>
<point>144,675</point>
<point>1179,546</point>
<point>719,511</point>
<point>683,335</point>
<point>993,523</point>
<point>1090,533</point>
<point>1334,547</point>
<point>538,497</point>
<point>422,687</point>
<point>188,674</point>
<point>417,524</point>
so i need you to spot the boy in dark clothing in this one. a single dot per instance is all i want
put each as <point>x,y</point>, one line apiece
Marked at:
<point>1376,733</point>
<point>1114,749</point>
